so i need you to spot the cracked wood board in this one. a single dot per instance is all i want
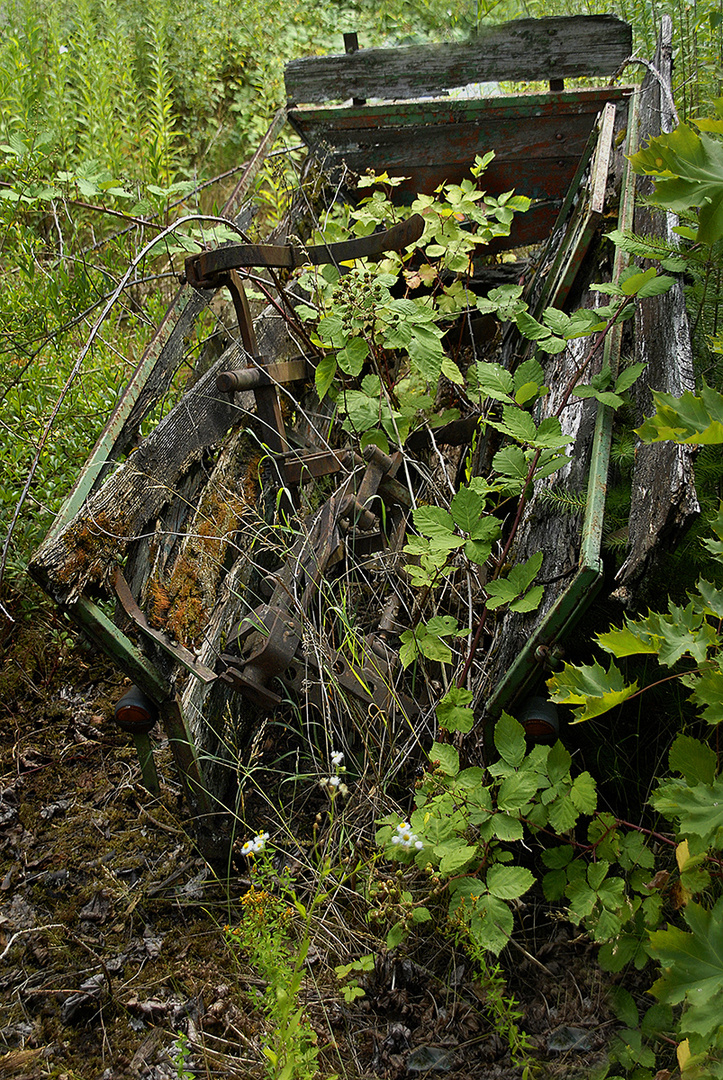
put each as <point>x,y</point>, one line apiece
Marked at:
<point>664,499</point>
<point>530,49</point>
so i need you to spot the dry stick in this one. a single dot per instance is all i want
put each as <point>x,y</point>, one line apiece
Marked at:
<point>528,480</point>
<point>76,370</point>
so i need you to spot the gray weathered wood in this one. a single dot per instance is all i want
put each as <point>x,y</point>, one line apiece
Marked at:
<point>89,547</point>
<point>572,565</point>
<point>663,494</point>
<point>528,49</point>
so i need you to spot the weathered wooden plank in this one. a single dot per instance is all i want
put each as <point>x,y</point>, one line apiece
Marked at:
<point>528,49</point>
<point>538,141</point>
<point>570,539</point>
<point>116,514</point>
<point>663,497</point>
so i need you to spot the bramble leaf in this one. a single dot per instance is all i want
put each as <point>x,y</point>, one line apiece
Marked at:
<point>509,739</point>
<point>447,757</point>
<point>515,585</point>
<point>693,759</point>
<point>453,713</point>
<point>509,882</point>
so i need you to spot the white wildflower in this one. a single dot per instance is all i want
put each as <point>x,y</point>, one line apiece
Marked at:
<point>405,837</point>
<point>336,758</point>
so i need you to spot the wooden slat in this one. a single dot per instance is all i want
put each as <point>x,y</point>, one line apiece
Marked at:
<point>663,497</point>
<point>113,516</point>
<point>525,50</point>
<point>538,141</point>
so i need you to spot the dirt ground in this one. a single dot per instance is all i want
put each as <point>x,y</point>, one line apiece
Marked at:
<point>113,960</point>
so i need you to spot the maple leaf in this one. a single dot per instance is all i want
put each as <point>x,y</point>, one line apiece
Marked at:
<point>693,967</point>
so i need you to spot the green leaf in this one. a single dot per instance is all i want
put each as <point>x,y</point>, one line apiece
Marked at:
<point>554,884</point>
<point>627,377</point>
<point>692,967</point>
<point>688,172</point>
<point>530,601</point>
<point>516,423</point>
<point>324,375</point>
<point>712,598</point>
<point>559,761</point>
<point>583,794</point>
<point>351,358</point>
<point>549,435</point>
<point>453,713</point>
<point>491,924</point>
<point>629,640</point>
<point>450,371</point>
<point>520,577</point>
<point>396,936</point>
<point>511,461</point>
<point>467,508</point>
<point>506,828</point>
<point>559,857</point>
<point>446,756</point>
<point>698,809</point>
<point>331,329</point>
<point>517,790</point>
<point>456,856</point>
<point>563,815</point>
<point>708,693</point>
<point>509,882</point>
<point>479,546</point>
<point>509,739</point>
<point>689,420</point>
<point>693,759</point>
<point>590,689</point>
<point>426,352</point>
<point>434,521</point>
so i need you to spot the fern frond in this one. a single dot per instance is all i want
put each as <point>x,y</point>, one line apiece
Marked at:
<point>568,502</point>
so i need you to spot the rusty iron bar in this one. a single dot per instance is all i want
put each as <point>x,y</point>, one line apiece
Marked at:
<point>287,371</point>
<point>202,271</point>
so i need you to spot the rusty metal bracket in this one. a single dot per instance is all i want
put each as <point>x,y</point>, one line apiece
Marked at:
<point>203,270</point>
<point>270,639</point>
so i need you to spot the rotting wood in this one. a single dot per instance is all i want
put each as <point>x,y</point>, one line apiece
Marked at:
<point>88,548</point>
<point>664,499</point>
<point>564,515</point>
<point>528,49</point>
<point>162,356</point>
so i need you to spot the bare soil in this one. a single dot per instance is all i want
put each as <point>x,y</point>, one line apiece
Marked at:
<point>114,964</point>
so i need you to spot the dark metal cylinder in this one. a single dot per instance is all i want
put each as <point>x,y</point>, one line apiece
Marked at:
<point>135,712</point>
<point>539,718</point>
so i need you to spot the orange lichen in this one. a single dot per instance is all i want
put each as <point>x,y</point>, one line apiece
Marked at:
<point>188,595</point>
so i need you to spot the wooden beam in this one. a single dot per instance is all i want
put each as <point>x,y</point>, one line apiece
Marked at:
<point>524,50</point>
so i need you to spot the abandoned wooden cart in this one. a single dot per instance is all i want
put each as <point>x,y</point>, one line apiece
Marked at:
<point>245,556</point>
